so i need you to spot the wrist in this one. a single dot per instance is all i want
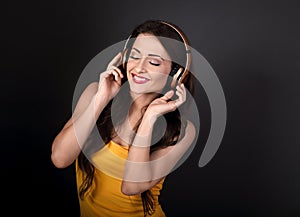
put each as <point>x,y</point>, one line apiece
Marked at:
<point>149,118</point>
<point>144,131</point>
<point>101,98</point>
<point>99,104</point>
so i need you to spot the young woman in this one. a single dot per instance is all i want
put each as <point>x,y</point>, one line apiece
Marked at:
<point>124,178</point>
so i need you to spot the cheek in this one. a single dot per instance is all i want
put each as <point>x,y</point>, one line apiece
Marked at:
<point>162,77</point>
<point>161,74</point>
<point>166,70</point>
<point>129,66</point>
<point>159,78</point>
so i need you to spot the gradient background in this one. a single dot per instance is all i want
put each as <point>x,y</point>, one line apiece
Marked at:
<point>253,46</point>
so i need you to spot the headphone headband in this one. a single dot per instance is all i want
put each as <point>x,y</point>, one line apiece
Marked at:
<point>181,73</point>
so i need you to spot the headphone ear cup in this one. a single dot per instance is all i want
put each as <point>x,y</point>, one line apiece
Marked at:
<point>174,74</point>
<point>174,70</point>
<point>124,58</point>
<point>176,77</point>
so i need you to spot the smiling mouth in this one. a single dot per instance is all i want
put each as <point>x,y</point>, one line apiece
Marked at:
<point>139,79</point>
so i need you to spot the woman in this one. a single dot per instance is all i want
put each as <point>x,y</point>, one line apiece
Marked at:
<point>135,145</point>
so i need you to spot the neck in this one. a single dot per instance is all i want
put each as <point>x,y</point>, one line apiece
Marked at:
<point>141,100</point>
<point>127,129</point>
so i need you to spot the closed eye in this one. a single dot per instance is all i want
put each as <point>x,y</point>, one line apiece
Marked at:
<point>154,61</point>
<point>154,64</point>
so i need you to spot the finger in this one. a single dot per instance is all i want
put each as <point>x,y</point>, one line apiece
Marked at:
<point>104,75</point>
<point>178,102</point>
<point>110,74</point>
<point>118,71</point>
<point>179,93</point>
<point>179,89</point>
<point>168,95</point>
<point>182,90</point>
<point>115,74</point>
<point>180,86</point>
<point>115,61</point>
<point>181,99</point>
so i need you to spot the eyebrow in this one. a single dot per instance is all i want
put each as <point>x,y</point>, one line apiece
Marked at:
<point>152,55</point>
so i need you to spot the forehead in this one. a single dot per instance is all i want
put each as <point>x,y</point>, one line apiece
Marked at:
<point>149,44</point>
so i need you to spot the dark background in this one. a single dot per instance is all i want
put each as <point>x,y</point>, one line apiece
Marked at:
<point>253,46</point>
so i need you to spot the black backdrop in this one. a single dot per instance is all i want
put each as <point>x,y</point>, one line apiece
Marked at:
<point>253,46</point>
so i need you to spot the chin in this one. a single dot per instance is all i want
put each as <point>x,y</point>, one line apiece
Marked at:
<point>138,91</point>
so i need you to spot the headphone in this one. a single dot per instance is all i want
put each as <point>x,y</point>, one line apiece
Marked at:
<point>177,72</point>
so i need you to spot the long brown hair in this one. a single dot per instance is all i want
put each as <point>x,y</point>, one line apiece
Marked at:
<point>106,127</point>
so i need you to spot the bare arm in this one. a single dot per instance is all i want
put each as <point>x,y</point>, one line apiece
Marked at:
<point>67,145</point>
<point>144,170</point>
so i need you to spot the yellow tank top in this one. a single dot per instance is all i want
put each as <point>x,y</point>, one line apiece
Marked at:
<point>105,198</point>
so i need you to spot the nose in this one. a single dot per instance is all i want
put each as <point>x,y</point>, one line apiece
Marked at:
<point>140,67</point>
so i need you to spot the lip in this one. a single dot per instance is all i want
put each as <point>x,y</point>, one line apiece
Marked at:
<point>139,79</point>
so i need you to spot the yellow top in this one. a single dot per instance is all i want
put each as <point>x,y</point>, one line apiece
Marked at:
<point>105,198</point>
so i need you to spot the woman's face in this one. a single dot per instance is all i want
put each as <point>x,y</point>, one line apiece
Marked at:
<point>148,66</point>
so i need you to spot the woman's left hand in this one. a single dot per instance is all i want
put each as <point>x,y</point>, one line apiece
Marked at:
<point>164,105</point>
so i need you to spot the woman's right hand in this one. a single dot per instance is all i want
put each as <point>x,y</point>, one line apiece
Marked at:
<point>110,80</point>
